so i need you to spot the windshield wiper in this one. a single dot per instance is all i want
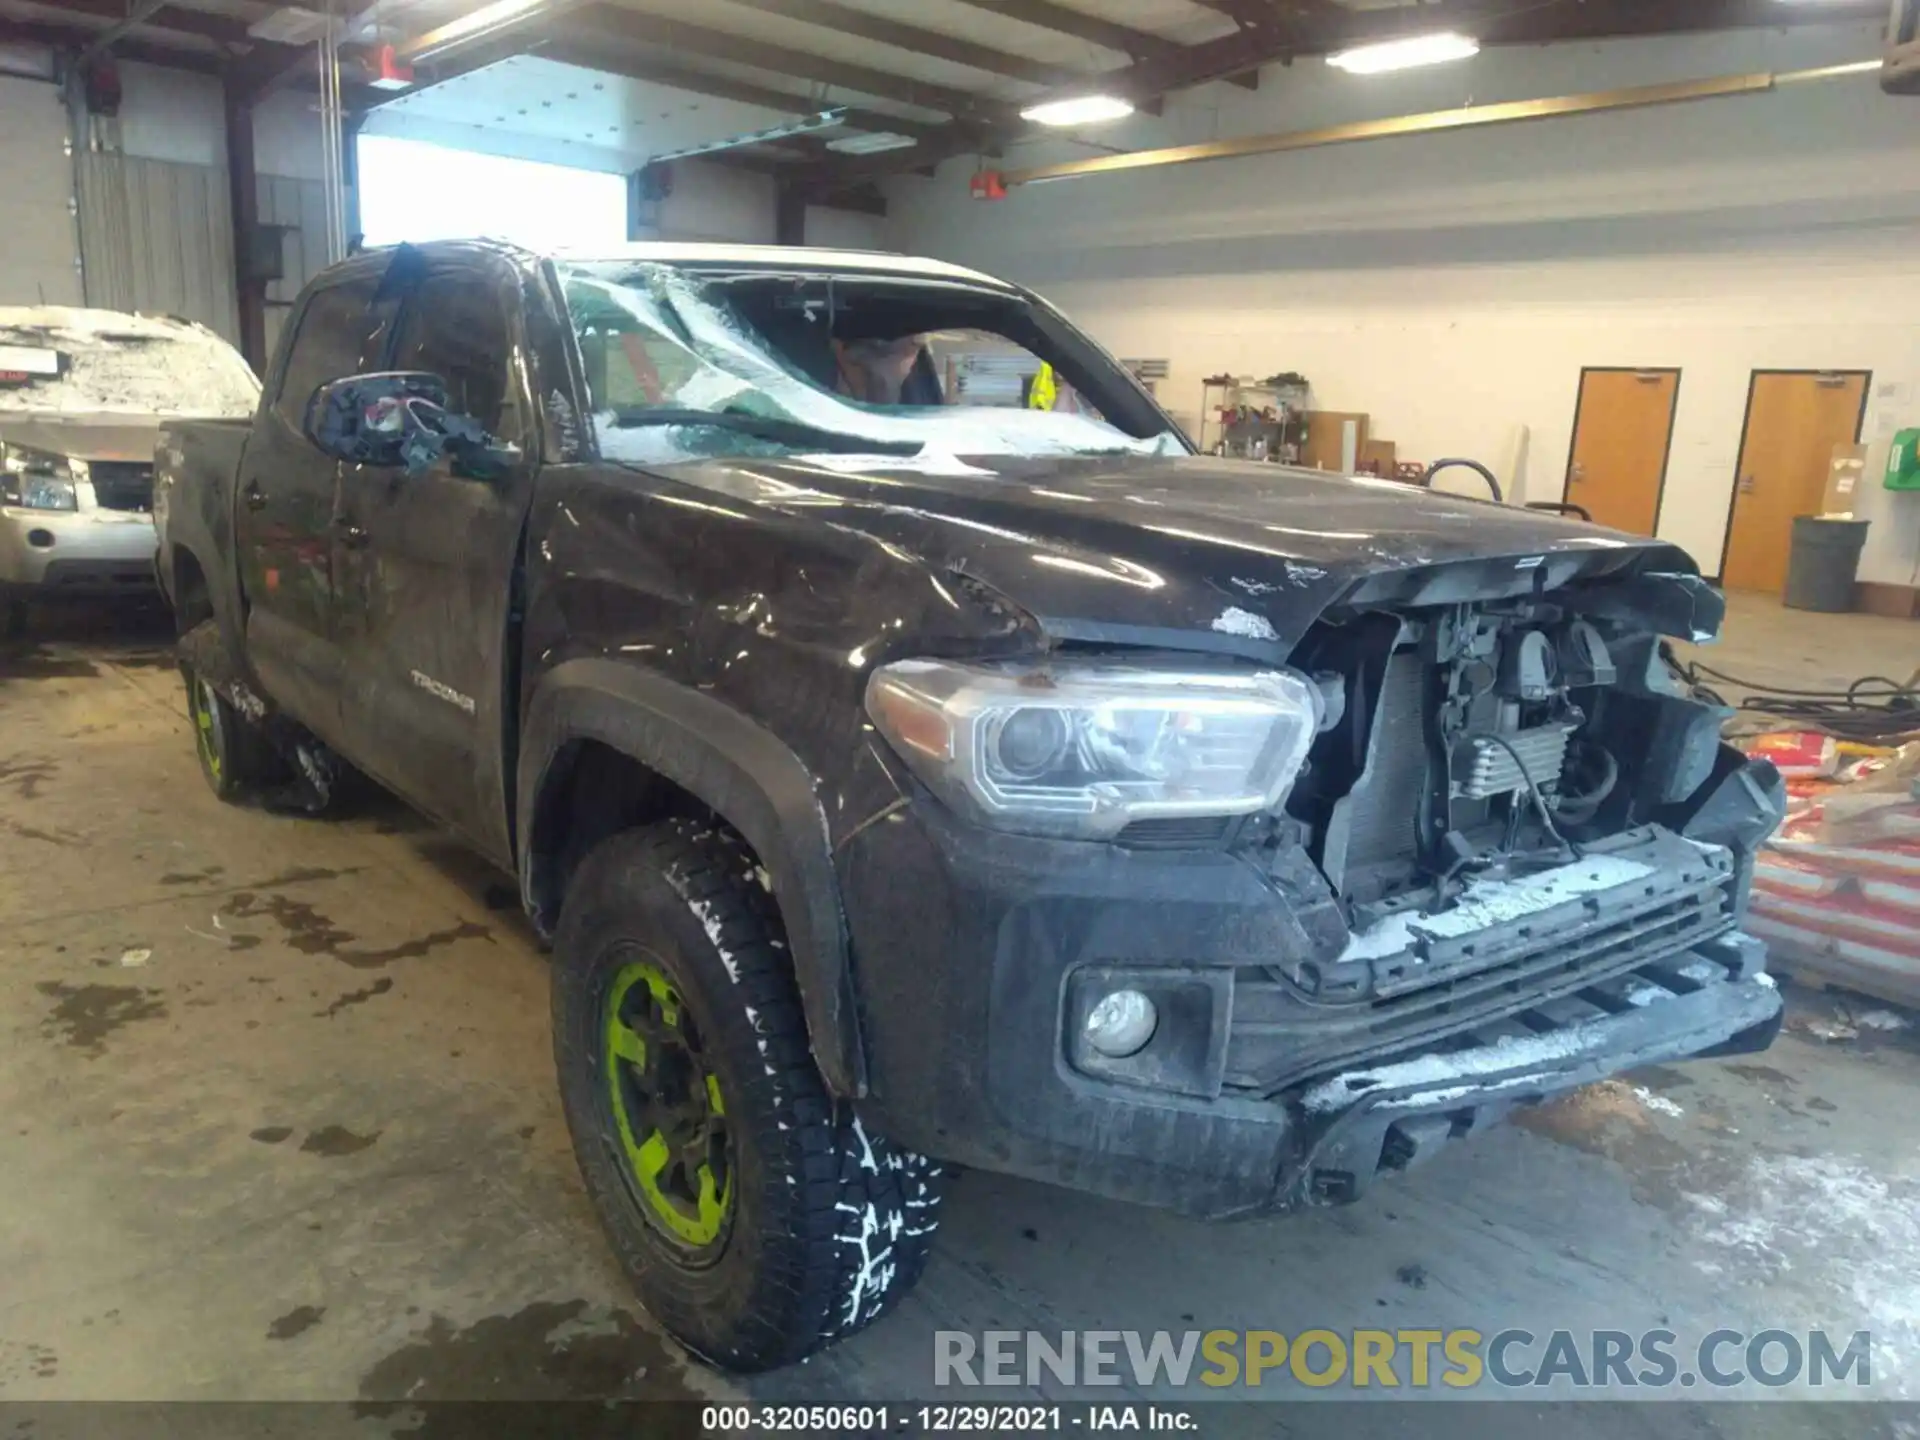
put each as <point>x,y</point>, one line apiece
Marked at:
<point>766,427</point>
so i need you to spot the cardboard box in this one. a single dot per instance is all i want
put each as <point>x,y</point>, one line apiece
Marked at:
<point>1380,457</point>
<point>1326,431</point>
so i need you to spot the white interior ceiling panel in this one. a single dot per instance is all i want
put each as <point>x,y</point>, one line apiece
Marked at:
<point>529,108</point>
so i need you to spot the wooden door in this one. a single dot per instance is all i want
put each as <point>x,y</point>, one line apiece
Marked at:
<point>1621,433</point>
<point>1794,419</point>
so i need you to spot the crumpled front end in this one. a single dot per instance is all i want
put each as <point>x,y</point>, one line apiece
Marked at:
<point>1516,861</point>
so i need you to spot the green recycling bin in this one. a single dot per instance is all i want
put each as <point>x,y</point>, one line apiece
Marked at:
<point>1824,563</point>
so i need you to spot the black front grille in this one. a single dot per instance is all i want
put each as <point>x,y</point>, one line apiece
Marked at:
<point>1178,834</point>
<point>98,577</point>
<point>122,484</point>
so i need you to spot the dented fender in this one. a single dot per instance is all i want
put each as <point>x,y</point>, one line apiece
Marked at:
<point>744,775</point>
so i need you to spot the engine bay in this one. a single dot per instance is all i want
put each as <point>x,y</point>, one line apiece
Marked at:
<point>1491,740</point>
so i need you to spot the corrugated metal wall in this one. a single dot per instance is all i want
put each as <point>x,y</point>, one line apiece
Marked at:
<point>36,217</point>
<point>301,206</point>
<point>157,236</point>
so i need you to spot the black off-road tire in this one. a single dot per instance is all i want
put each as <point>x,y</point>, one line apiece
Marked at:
<point>235,756</point>
<point>829,1224</point>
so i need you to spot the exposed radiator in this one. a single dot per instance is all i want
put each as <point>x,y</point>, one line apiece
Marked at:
<point>1483,768</point>
<point>1382,810</point>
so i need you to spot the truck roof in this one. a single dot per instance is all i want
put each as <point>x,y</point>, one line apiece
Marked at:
<point>665,252</point>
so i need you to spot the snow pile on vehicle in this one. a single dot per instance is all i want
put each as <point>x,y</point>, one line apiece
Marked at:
<point>111,363</point>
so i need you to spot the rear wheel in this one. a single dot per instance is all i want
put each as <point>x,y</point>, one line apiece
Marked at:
<point>235,756</point>
<point>756,1217</point>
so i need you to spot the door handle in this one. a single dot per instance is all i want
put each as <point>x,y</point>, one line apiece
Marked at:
<point>255,497</point>
<point>351,535</point>
<point>1748,484</point>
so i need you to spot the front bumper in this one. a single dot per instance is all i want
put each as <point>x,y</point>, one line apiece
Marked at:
<point>83,552</point>
<point>976,956</point>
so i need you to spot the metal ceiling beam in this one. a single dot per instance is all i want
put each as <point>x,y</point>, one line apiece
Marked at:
<point>591,52</point>
<point>1064,20</point>
<point>1143,83</point>
<point>77,38</point>
<point>866,25</point>
<point>1092,28</point>
<point>140,14</point>
<point>174,17</point>
<point>674,34</point>
<point>1243,12</point>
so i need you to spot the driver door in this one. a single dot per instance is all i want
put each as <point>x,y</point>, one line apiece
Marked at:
<point>283,518</point>
<point>424,566</point>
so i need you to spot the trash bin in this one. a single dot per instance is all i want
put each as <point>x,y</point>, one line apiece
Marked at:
<point>1825,560</point>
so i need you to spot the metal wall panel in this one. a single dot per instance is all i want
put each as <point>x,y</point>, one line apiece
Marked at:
<point>301,206</point>
<point>37,259</point>
<point>157,236</point>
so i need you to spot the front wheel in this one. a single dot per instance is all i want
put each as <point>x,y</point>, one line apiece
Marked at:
<point>755,1216</point>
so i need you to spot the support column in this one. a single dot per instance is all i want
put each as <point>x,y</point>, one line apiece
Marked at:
<point>789,215</point>
<point>243,189</point>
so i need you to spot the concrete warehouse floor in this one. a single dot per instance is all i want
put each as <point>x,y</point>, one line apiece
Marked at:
<point>278,1120</point>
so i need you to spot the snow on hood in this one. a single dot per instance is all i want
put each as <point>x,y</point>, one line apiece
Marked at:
<point>129,365</point>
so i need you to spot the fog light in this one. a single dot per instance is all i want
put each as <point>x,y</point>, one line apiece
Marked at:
<point>1121,1024</point>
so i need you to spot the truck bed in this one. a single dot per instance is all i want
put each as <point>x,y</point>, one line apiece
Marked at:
<point>194,468</point>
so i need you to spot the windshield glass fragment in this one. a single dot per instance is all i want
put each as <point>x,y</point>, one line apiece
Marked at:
<point>909,367</point>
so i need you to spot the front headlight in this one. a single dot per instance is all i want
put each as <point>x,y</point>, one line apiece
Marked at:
<point>37,480</point>
<point>1084,748</point>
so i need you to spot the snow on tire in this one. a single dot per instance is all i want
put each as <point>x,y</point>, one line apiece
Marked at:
<point>828,1224</point>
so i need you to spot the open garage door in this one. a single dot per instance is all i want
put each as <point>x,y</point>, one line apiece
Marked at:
<point>418,191</point>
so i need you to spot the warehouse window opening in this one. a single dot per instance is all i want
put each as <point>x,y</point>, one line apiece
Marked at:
<point>414,191</point>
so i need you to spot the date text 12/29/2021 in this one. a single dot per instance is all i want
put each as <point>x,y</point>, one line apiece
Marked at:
<point>945,1419</point>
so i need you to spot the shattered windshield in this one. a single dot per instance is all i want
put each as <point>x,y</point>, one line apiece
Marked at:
<point>683,364</point>
<point>80,362</point>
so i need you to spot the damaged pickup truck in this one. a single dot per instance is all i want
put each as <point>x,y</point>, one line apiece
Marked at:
<point>908,781</point>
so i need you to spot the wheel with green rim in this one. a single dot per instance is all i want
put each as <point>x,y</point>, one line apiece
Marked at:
<point>235,757</point>
<point>668,1109</point>
<point>757,1219</point>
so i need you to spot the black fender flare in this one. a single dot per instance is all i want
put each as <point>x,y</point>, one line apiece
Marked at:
<point>745,775</point>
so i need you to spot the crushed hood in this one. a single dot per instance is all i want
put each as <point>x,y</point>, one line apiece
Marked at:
<point>1188,550</point>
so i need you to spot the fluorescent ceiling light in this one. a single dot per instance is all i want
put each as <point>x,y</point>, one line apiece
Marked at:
<point>475,23</point>
<point>872,143</point>
<point>1081,110</point>
<point>1405,54</point>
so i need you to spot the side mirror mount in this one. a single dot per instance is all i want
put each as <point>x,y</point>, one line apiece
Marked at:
<point>398,420</point>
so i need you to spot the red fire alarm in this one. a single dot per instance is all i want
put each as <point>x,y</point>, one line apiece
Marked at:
<point>987,185</point>
<point>386,71</point>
